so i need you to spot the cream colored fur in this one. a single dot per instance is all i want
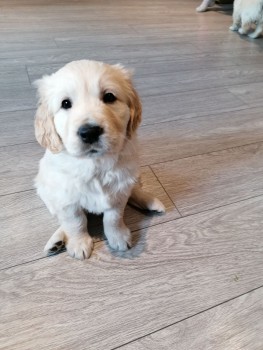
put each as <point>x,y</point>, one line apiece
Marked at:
<point>72,178</point>
<point>248,17</point>
<point>204,5</point>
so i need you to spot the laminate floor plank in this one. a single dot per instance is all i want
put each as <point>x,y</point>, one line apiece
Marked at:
<point>212,180</point>
<point>236,324</point>
<point>13,75</point>
<point>176,270</point>
<point>104,53</point>
<point>17,97</point>
<point>162,64</point>
<point>162,108</point>
<point>249,93</point>
<point>16,128</point>
<point>19,167</point>
<point>191,136</point>
<point>187,81</point>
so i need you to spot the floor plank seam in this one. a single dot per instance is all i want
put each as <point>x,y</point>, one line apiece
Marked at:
<point>12,193</point>
<point>28,77</point>
<point>189,116</point>
<point>18,144</point>
<point>165,191</point>
<point>221,206</point>
<point>189,317</point>
<point>23,263</point>
<point>26,70</point>
<point>189,90</point>
<point>18,110</point>
<point>202,154</point>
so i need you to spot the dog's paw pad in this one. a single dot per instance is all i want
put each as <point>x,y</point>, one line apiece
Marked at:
<point>57,247</point>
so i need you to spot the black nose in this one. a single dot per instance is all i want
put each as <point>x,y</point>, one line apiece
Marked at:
<point>90,133</point>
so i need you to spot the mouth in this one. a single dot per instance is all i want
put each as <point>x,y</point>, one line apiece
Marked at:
<point>92,152</point>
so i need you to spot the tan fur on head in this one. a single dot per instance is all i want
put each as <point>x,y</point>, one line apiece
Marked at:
<point>45,131</point>
<point>135,113</point>
<point>134,102</point>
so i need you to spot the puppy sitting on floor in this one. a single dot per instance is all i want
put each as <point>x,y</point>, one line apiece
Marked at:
<point>87,118</point>
<point>248,17</point>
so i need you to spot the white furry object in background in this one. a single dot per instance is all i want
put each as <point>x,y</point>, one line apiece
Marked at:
<point>204,5</point>
<point>248,17</point>
<point>87,119</point>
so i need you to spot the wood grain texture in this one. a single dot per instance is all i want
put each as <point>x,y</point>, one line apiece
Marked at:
<point>197,80</point>
<point>176,270</point>
<point>187,136</point>
<point>236,324</point>
<point>167,107</point>
<point>12,75</point>
<point>17,97</point>
<point>249,93</point>
<point>211,180</point>
<point>161,63</point>
<point>26,224</point>
<point>16,128</point>
<point>19,167</point>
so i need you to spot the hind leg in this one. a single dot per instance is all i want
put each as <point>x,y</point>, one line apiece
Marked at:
<point>244,29</point>
<point>144,200</point>
<point>258,31</point>
<point>236,23</point>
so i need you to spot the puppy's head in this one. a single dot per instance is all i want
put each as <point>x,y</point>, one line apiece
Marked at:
<point>87,108</point>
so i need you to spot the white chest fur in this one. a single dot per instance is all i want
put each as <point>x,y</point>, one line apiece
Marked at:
<point>91,183</point>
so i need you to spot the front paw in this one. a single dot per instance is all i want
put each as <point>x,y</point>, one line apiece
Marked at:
<point>56,243</point>
<point>201,9</point>
<point>254,35</point>
<point>120,240</point>
<point>80,246</point>
<point>234,28</point>
<point>242,31</point>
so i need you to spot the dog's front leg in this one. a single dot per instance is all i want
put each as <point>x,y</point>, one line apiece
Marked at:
<point>73,232</point>
<point>205,4</point>
<point>117,233</point>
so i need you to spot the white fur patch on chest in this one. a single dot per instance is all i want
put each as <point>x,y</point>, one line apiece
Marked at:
<point>86,183</point>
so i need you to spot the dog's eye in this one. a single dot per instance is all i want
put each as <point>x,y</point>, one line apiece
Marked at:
<point>109,97</point>
<point>66,104</point>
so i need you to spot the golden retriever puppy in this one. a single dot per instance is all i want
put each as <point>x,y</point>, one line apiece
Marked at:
<point>246,14</point>
<point>87,118</point>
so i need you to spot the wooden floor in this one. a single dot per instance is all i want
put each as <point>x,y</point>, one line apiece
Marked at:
<point>194,279</point>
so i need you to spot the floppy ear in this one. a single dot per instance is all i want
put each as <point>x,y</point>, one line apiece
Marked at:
<point>135,112</point>
<point>45,130</point>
